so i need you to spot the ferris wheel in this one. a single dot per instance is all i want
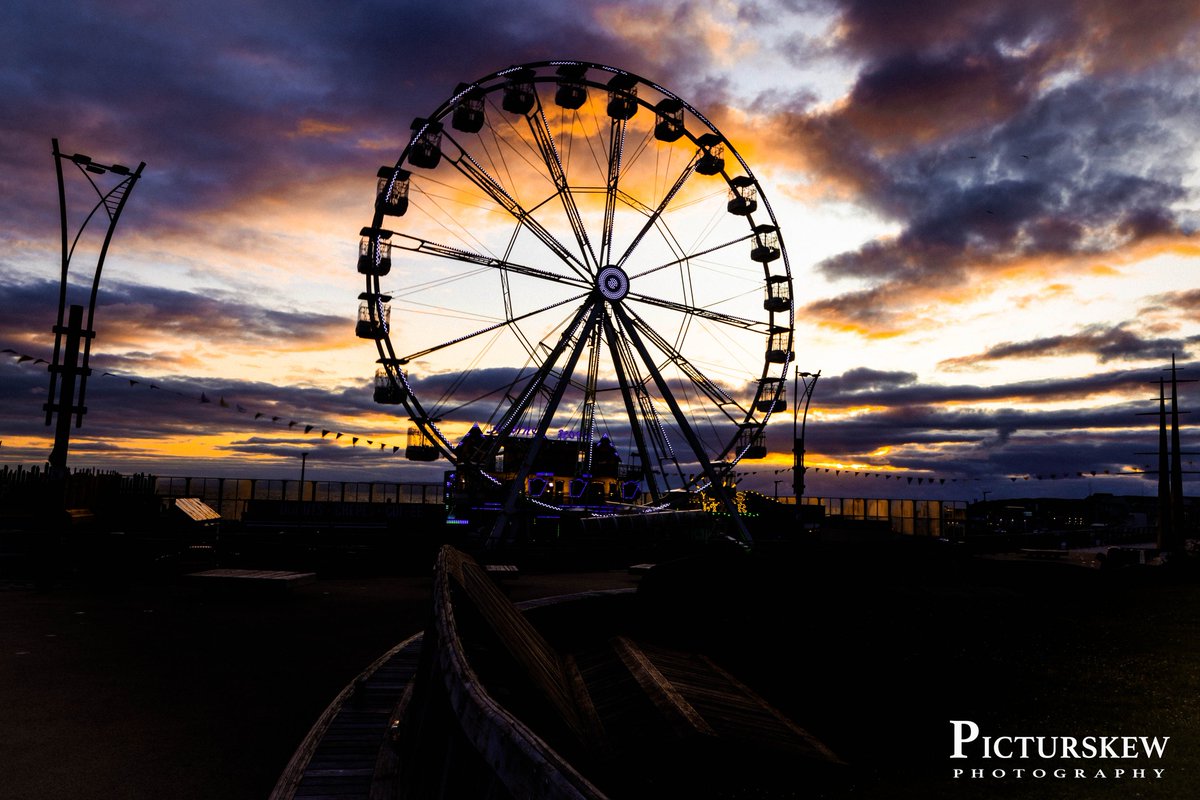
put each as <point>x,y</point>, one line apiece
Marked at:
<point>578,290</point>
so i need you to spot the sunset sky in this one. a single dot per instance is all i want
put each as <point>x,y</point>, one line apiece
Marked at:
<point>990,211</point>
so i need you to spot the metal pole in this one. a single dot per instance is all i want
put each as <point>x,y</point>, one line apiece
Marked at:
<point>1176,466</point>
<point>65,404</point>
<point>798,468</point>
<point>797,481</point>
<point>1164,474</point>
<point>62,284</point>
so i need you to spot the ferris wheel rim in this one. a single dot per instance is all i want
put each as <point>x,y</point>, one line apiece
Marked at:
<point>615,293</point>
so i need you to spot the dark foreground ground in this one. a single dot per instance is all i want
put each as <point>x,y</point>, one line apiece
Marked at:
<point>160,688</point>
<point>165,690</point>
<point>876,647</point>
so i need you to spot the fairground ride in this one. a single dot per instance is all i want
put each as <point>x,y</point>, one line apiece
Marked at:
<point>568,263</point>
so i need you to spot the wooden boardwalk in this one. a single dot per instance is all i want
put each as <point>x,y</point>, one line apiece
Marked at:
<point>253,578</point>
<point>347,754</point>
<point>637,717</point>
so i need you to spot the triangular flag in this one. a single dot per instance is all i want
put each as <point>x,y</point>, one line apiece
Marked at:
<point>394,449</point>
<point>292,424</point>
<point>308,428</point>
<point>259,414</point>
<point>326,433</point>
<point>353,440</point>
<point>204,398</point>
<point>241,409</point>
<point>339,436</point>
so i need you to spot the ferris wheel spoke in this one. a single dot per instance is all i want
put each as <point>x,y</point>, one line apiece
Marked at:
<point>474,172</point>
<point>564,379</point>
<point>427,247</point>
<point>506,323</point>
<point>695,255</point>
<point>616,146</point>
<point>685,427</point>
<point>514,413</point>
<point>656,214</point>
<point>710,388</point>
<point>706,313</point>
<point>553,161</point>
<point>637,384</point>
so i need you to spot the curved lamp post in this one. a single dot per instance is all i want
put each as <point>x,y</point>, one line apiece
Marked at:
<point>73,333</point>
<point>798,423</point>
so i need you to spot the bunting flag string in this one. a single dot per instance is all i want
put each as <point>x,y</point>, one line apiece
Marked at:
<point>835,472</point>
<point>926,479</point>
<point>205,399</point>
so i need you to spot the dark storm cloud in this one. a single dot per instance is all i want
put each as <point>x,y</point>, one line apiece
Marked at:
<point>249,99</point>
<point>998,133</point>
<point>1052,181</point>
<point>1113,35</point>
<point>1030,427</point>
<point>864,380</point>
<point>918,427</point>
<point>954,129</point>
<point>1022,439</point>
<point>146,313</point>
<point>1104,342</point>
<point>1188,301</point>
<point>865,387</point>
<point>327,450</point>
<point>124,406</point>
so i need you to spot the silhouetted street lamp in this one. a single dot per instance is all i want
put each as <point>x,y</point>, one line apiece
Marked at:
<point>799,421</point>
<point>69,337</point>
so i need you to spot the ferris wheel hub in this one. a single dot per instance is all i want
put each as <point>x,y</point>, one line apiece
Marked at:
<point>613,283</point>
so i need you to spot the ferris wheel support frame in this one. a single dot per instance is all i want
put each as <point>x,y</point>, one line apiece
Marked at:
<point>716,484</point>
